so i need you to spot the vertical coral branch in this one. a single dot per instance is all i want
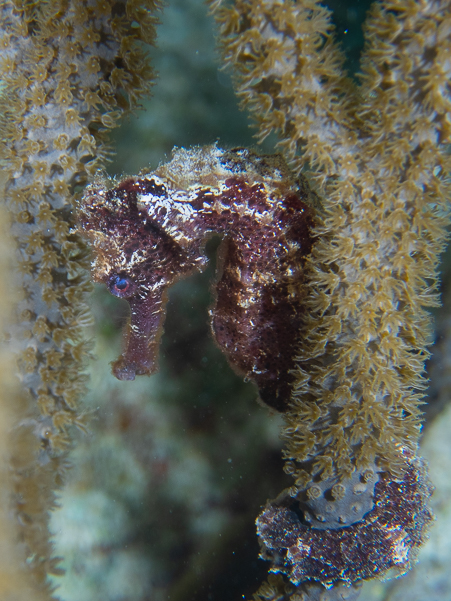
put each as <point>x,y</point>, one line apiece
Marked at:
<point>380,165</point>
<point>69,70</point>
<point>288,73</point>
<point>15,581</point>
<point>379,160</point>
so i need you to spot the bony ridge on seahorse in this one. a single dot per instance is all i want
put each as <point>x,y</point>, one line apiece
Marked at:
<point>149,231</point>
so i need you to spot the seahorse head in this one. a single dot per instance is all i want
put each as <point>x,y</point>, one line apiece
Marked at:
<point>132,252</point>
<point>137,258</point>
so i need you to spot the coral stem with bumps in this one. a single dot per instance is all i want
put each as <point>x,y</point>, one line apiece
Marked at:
<point>377,154</point>
<point>68,70</point>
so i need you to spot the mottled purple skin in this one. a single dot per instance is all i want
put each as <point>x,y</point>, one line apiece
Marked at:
<point>258,306</point>
<point>387,538</point>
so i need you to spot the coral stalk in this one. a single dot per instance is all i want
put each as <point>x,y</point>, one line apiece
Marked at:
<point>15,579</point>
<point>69,70</point>
<point>377,155</point>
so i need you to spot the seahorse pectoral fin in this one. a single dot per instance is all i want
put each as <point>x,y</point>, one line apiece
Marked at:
<point>142,336</point>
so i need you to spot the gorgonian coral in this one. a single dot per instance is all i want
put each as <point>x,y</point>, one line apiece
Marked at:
<point>69,70</point>
<point>377,154</point>
<point>377,157</point>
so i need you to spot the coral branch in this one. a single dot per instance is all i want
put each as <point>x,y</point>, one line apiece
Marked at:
<point>382,176</point>
<point>69,70</point>
<point>15,579</point>
<point>288,72</point>
<point>381,166</point>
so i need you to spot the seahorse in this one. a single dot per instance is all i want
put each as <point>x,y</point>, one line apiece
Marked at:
<point>149,231</point>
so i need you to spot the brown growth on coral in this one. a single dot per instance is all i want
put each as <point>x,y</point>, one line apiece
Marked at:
<point>149,231</point>
<point>384,543</point>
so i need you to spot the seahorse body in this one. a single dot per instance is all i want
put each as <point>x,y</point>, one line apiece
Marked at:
<point>149,231</point>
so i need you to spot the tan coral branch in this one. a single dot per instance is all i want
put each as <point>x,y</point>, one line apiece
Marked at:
<point>69,70</point>
<point>380,163</point>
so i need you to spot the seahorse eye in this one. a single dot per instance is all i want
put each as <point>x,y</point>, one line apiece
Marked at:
<point>122,284</point>
<point>119,285</point>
